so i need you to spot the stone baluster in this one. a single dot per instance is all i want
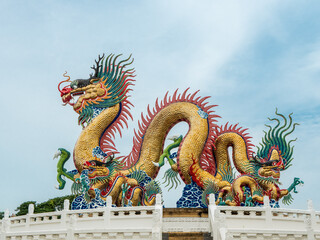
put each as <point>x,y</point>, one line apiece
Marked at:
<point>267,208</point>
<point>214,215</point>
<point>310,221</point>
<point>5,225</point>
<point>107,211</point>
<point>66,206</point>
<point>71,227</point>
<point>31,209</point>
<point>29,215</point>
<point>157,219</point>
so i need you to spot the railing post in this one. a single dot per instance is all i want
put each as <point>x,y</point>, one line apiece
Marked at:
<point>5,225</point>
<point>213,215</point>
<point>71,226</point>
<point>66,205</point>
<point>157,219</point>
<point>310,221</point>
<point>107,211</point>
<point>30,213</point>
<point>267,208</point>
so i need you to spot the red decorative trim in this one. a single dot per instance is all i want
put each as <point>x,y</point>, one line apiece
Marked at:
<point>195,175</point>
<point>235,129</point>
<point>107,140</point>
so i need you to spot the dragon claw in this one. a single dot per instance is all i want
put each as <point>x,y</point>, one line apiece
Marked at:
<point>57,154</point>
<point>156,164</point>
<point>173,137</point>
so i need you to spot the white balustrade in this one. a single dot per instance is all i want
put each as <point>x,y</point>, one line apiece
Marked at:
<point>99,223</point>
<point>264,222</point>
<point>147,222</point>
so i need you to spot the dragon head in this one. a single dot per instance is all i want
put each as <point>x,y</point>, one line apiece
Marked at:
<point>267,169</point>
<point>105,88</point>
<point>99,171</point>
<point>275,153</point>
<point>96,169</point>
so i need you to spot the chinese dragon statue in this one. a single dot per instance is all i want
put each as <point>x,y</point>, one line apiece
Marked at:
<point>201,159</point>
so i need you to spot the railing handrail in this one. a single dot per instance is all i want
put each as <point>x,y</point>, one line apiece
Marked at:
<point>148,208</point>
<point>83,211</point>
<point>262,208</point>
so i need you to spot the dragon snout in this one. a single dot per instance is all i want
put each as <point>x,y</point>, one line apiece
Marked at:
<point>66,95</point>
<point>87,164</point>
<point>65,90</point>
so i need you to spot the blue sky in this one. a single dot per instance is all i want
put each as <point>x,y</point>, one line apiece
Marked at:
<point>250,56</point>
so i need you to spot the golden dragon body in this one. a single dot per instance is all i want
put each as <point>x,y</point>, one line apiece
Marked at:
<point>202,155</point>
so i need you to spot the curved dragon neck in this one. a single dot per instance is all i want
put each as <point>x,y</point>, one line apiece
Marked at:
<point>191,147</point>
<point>240,159</point>
<point>90,136</point>
<point>239,149</point>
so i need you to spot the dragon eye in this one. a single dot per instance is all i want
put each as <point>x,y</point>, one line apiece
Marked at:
<point>74,84</point>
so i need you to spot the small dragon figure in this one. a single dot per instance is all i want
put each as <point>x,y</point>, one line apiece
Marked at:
<point>201,157</point>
